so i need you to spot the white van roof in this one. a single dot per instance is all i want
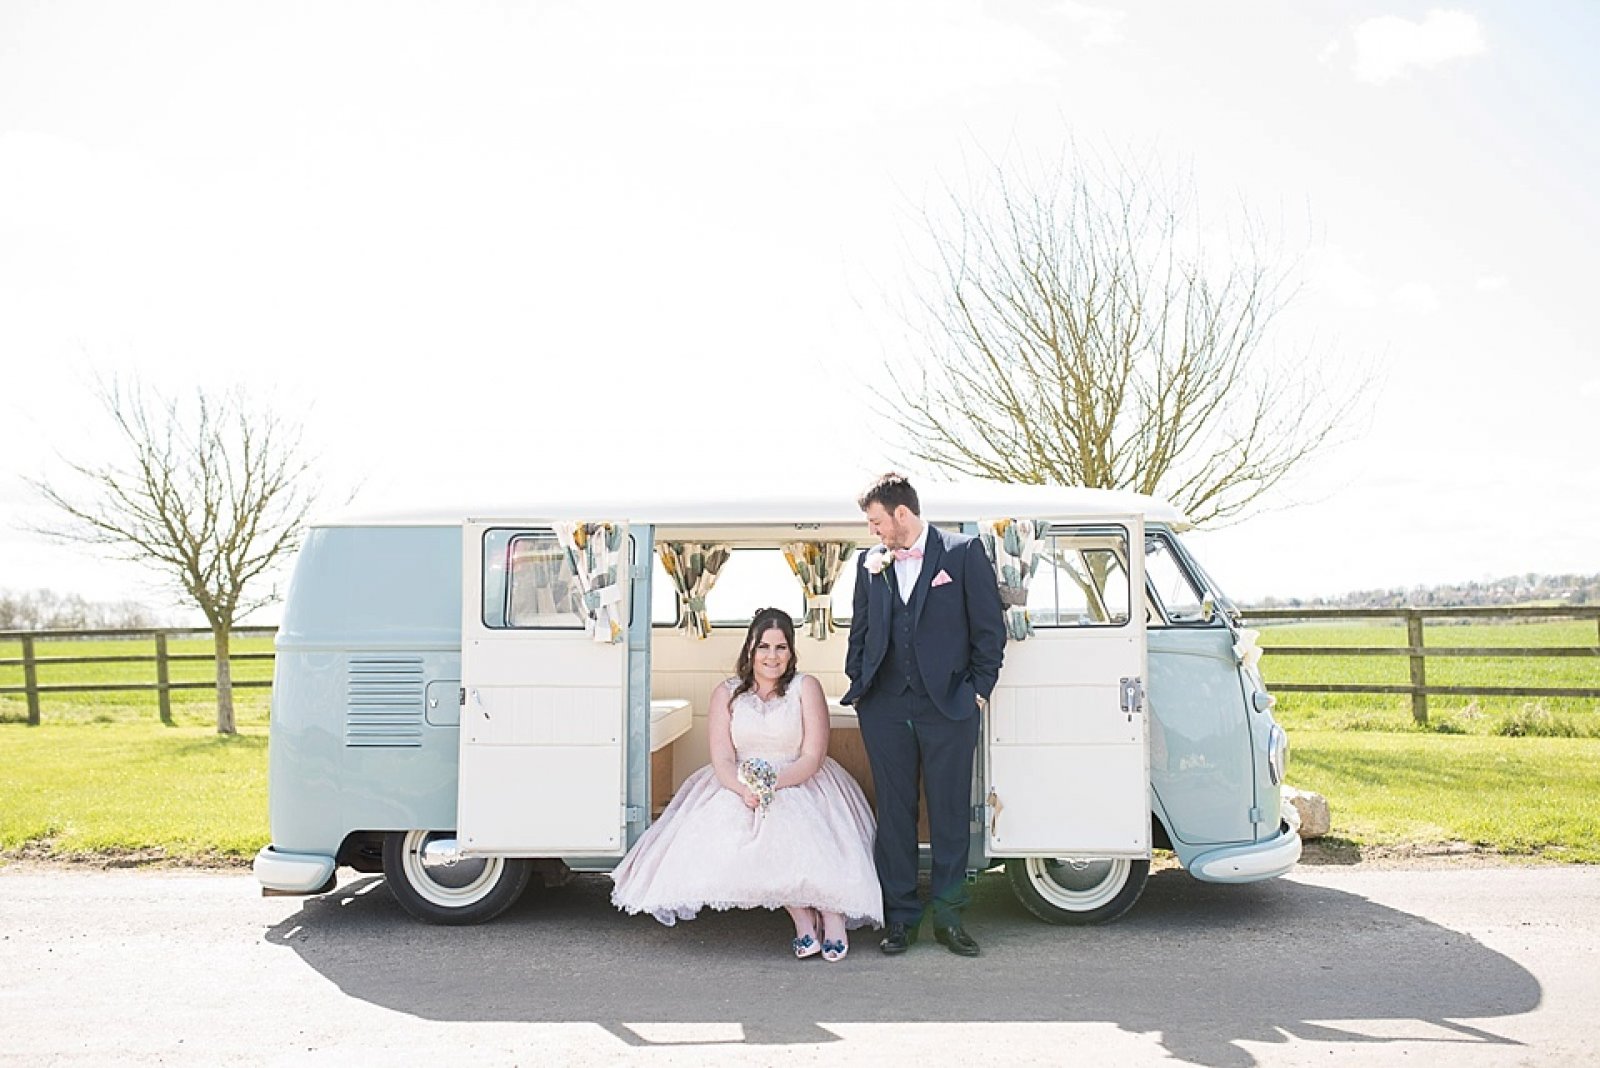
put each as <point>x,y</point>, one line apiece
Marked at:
<point>941,502</point>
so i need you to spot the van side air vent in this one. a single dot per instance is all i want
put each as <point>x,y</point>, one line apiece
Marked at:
<point>383,702</point>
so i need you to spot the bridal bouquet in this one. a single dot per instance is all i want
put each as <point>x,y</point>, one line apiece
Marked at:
<point>761,778</point>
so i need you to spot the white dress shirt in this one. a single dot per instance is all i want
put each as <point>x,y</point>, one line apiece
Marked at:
<point>906,572</point>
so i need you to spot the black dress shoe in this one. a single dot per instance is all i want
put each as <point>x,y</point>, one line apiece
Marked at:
<point>900,938</point>
<point>956,939</point>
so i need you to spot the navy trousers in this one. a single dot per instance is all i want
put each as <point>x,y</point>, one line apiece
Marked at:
<point>909,740</point>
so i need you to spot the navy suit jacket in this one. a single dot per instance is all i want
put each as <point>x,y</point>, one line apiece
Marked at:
<point>958,626</point>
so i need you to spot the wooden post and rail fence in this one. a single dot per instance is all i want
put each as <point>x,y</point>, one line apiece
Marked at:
<point>1416,650</point>
<point>32,641</point>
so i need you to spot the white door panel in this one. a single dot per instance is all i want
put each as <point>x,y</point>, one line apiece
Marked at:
<point>543,715</point>
<point>1071,803</point>
<point>552,658</point>
<point>1069,714</point>
<point>1067,764</point>
<point>543,726</point>
<point>533,809</point>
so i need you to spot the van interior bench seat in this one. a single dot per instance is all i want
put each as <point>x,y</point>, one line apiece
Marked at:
<point>670,720</point>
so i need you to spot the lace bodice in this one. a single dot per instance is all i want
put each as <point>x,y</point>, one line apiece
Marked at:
<point>772,730</point>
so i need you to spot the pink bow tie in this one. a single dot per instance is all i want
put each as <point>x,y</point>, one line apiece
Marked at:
<point>908,554</point>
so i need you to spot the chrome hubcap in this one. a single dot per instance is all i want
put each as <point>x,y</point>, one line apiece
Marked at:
<point>439,873</point>
<point>441,859</point>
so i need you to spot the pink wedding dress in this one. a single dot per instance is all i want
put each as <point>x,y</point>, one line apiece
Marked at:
<point>812,846</point>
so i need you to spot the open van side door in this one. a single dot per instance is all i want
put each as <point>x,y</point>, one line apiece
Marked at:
<point>1065,737</point>
<point>544,705</point>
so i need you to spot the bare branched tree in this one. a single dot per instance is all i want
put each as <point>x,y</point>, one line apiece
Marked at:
<point>213,496</point>
<point>1083,330</point>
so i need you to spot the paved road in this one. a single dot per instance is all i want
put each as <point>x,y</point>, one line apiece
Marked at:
<point>1496,966</point>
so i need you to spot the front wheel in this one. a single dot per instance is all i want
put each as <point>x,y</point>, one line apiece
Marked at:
<point>1077,890</point>
<point>432,880</point>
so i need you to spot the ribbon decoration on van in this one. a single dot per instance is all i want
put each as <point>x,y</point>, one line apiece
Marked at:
<point>693,568</point>
<point>595,552</point>
<point>1248,648</point>
<point>1016,548</point>
<point>818,565</point>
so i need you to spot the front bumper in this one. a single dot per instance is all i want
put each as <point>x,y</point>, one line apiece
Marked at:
<point>293,873</point>
<point>1250,863</point>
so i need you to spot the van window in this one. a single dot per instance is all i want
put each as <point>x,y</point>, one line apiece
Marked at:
<point>1082,580</point>
<point>540,591</point>
<point>750,580</point>
<point>844,592</point>
<point>664,607</point>
<point>528,581</point>
<point>1177,592</point>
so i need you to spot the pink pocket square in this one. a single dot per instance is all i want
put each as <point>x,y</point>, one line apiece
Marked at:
<point>941,578</point>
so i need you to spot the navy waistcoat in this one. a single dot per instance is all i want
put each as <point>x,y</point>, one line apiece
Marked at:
<point>900,672</point>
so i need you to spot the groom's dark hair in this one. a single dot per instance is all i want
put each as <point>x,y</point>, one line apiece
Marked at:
<point>891,490</point>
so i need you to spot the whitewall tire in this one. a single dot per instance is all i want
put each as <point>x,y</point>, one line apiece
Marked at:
<point>1075,890</point>
<point>436,884</point>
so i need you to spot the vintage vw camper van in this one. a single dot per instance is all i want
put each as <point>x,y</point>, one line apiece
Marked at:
<point>466,702</point>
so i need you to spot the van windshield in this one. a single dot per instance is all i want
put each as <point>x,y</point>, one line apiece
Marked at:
<point>1176,581</point>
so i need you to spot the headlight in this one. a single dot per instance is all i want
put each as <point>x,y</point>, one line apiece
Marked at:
<point>1277,754</point>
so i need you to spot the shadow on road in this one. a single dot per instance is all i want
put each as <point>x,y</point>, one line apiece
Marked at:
<point>1204,967</point>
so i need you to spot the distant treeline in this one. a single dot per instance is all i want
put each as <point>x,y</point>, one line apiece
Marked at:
<point>1513,590</point>
<point>49,610</point>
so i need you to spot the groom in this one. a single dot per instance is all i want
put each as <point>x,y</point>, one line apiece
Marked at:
<point>926,638</point>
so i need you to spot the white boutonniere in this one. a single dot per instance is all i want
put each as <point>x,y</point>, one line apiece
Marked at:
<point>878,558</point>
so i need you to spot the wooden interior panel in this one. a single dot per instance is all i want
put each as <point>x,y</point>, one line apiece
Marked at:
<point>845,746</point>
<point>660,780</point>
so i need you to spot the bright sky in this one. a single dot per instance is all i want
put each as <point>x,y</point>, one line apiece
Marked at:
<point>491,250</point>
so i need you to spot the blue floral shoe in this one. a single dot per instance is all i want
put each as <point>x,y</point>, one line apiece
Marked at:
<point>834,951</point>
<point>807,946</point>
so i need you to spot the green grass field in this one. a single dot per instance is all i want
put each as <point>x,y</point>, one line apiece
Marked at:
<point>1537,797</point>
<point>104,776</point>
<point>133,787</point>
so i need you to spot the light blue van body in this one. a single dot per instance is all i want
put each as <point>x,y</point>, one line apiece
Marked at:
<point>365,708</point>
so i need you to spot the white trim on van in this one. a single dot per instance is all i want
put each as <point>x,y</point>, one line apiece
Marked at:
<point>942,502</point>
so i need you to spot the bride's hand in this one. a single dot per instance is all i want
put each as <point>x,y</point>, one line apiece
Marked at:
<point>748,796</point>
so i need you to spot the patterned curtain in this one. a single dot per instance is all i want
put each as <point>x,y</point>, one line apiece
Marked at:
<point>817,564</point>
<point>595,552</point>
<point>693,567</point>
<point>1016,547</point>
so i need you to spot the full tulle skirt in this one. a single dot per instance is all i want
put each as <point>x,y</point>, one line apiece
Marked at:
<point>811,847</point>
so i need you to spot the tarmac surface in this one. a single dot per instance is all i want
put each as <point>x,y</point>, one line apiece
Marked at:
<point>1332,965</point>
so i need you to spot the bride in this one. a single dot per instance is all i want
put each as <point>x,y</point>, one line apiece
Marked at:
<point>806,846</point>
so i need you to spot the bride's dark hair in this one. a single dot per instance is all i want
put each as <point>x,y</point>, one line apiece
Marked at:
<point>766,619</point>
